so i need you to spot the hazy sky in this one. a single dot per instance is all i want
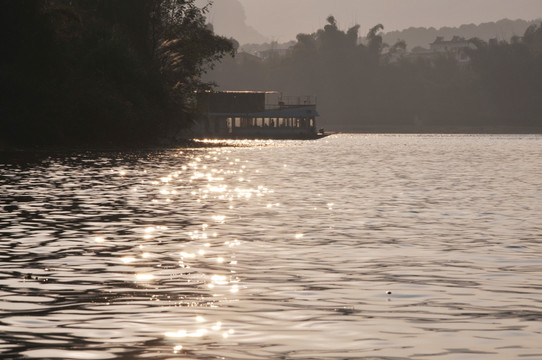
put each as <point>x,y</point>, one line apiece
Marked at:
<point>282,20</point>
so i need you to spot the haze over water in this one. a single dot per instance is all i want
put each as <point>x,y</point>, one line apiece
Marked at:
<point>353,246</point>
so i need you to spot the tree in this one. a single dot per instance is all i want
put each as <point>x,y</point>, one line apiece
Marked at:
<point>374,40</point>
<point>102,71</point>
<point>359,88</point>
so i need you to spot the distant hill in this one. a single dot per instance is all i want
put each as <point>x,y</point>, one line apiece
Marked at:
<point>229,19</point>
<point>421,37</point>
<point>418,36</point>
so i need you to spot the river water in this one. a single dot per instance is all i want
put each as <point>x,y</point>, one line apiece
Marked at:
<point>349,247</point>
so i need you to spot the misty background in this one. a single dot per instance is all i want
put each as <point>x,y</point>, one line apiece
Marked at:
<point>257,21</point>
<point>482,74</point>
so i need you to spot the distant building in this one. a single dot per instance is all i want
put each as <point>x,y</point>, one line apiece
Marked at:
<point>455,47</point>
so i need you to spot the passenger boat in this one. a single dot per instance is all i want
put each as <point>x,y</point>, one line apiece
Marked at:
<point>256,115</point>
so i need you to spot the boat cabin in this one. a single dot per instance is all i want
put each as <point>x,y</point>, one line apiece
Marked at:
<point>255,115</point>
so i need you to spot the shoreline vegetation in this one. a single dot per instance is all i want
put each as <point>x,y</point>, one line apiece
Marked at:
<point>102,73</point>
<point>112,74</point>
<point>363,84</point>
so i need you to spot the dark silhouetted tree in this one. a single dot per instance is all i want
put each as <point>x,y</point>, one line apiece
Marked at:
<point>102,71</point>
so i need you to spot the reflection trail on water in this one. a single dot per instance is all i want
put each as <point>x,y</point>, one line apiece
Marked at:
<point>99,252</point>
<point>349,247</point>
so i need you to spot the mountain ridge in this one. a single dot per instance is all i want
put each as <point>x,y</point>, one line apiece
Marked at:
<point>503,29</point>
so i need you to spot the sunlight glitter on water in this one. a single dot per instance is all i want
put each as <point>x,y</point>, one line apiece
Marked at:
<point>219,218</point>
<point>361,247</point>
<point>144,277</point>
<point>186,255</point>
<point>67,354</point>
<point>208,330</point>
<point>128,259</point>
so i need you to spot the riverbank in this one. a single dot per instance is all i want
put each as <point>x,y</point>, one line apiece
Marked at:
<point>203,143</point>
<point>184,143</point>
<point>394,129</point>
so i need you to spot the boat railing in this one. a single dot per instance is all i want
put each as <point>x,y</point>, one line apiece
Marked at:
<point>292,102</point>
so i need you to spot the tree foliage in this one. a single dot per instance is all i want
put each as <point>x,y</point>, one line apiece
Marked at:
<point>366,85</point>
<point>102,71</point>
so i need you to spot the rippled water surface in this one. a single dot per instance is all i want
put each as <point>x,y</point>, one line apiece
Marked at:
<point>349,247</point>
